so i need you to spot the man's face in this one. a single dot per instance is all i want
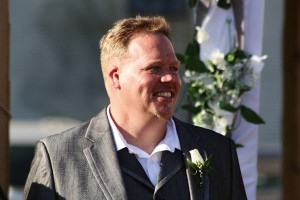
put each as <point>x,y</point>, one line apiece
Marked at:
<point>149,79</point>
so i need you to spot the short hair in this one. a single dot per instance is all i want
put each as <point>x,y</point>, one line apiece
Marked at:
<point>115,42</point>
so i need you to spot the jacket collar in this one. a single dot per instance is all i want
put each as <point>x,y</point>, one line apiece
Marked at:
<point>102,158</point>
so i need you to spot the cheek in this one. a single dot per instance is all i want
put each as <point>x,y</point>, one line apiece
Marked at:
<point>143,87</point>
<point>178,82</point>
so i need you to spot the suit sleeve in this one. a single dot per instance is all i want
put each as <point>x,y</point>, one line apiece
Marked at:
<point>40,182</point>
<point>237,188</point>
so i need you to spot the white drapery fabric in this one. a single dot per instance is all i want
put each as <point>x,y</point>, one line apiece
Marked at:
<point>220,27</point>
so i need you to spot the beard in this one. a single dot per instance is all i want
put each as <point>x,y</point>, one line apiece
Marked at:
<point>164,112</point>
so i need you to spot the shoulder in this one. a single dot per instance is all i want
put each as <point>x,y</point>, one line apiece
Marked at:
<point>199,132</point>
<point>80,134</point>
<point>69,135</point>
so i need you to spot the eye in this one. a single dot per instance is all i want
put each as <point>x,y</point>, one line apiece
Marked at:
<point>174,70</point>
<point>153,69</point>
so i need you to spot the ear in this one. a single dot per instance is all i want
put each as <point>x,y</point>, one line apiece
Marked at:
<point>114,77</point>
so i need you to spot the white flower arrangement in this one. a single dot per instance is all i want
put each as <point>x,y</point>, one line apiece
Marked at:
<point>216,85</point>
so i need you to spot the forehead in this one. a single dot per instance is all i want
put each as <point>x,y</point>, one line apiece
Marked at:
<point>154,43</point>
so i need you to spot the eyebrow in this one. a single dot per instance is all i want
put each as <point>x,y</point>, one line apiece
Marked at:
<point>158,61</point>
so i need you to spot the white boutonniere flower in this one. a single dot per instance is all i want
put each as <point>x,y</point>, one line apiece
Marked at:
<point>198,165</point>
<point>196,157</point>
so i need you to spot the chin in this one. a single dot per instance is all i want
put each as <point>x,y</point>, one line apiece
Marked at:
<point>164,115</point>
<point>164,112</point>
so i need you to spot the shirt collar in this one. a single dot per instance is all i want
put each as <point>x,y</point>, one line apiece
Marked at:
<point>169,143</point>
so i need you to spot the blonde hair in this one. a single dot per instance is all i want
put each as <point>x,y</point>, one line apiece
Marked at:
<point>115,42</point>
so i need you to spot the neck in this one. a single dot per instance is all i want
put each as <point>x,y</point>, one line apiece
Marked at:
<point>141,131</point>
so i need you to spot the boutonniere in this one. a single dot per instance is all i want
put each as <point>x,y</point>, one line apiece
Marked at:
<point>198,165</point>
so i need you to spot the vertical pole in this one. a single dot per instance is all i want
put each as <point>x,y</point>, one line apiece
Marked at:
<point>4,96</point>
<point>291,114</point>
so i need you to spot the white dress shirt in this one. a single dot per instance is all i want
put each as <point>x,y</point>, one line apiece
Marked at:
<point>150,163</point>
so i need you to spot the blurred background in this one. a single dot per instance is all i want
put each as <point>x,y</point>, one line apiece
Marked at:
<point>56,80</point>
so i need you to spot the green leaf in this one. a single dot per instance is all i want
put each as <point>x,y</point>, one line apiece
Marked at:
<point>180,57</point>
<point>244,88</point>
<point>193,89</point>
<point>238,145</point>
<point>192,49</point>
<point>230,57</point>
<point>226,106</point>
<point>250,115</point>
<point>223,4</point>
<point>235,55</point>
<point>195,64</point>
<point>194,110</point>
<point>192,166</point>
<point>239,54</point>
<point>192,3</point>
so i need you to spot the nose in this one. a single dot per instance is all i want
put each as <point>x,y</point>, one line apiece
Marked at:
<point>167,77</point>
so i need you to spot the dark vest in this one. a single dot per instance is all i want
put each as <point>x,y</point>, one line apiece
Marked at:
<point>172,178</point>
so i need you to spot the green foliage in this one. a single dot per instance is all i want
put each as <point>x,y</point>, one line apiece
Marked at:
<point>250,115</point>
<point>192,49</point>
<point>236,56</point>
<point>195,64</point>
<point>193,167</point>
<point>192,3</point>
<point>224,4</point>
<point>215,86</point>
<point>191,109</point>
<point>227,106</point>
<point>200,168</point>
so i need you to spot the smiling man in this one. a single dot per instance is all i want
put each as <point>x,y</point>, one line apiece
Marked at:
<point>135,148</point>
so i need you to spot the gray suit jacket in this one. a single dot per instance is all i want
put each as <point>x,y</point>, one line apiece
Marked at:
<point>82,163</point>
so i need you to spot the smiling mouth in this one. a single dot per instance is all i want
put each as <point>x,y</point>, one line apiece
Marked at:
<point>163,94</point>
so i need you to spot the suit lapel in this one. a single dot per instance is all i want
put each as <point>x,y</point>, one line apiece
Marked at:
<point>188,143</point>
<point>170,164</point>
<point>131,166</point>
<point>102,158</point>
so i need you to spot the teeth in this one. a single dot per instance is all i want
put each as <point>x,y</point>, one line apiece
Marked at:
<point>164,94</point>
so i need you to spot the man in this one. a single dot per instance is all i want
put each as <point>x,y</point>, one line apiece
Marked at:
<point>134,149</point>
